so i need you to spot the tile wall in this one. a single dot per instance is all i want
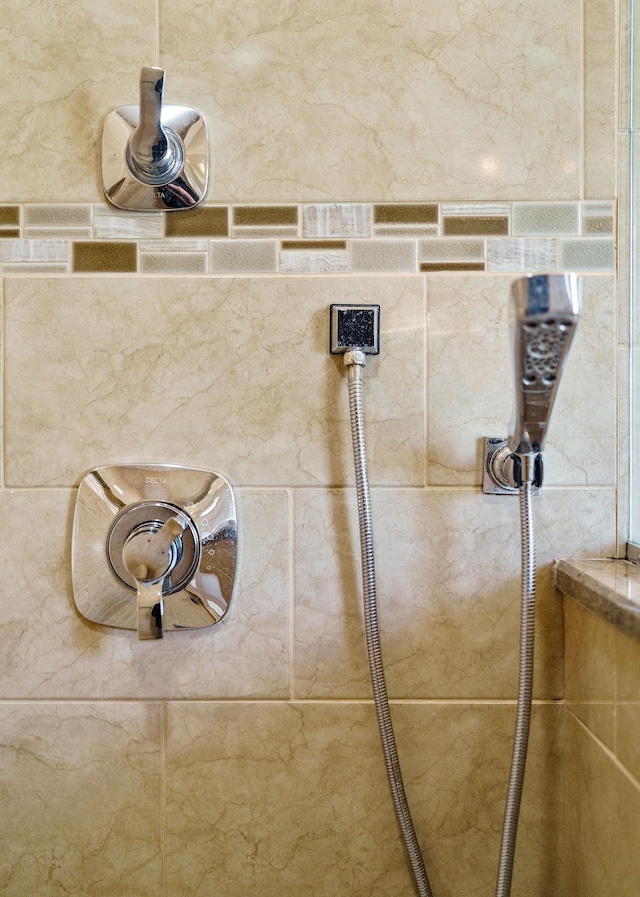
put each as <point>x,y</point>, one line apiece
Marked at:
<point>414,155</point>
<point>603,788</point>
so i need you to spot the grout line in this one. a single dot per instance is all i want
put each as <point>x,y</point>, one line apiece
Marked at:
<point>311,702</point>
<point>610,754</point>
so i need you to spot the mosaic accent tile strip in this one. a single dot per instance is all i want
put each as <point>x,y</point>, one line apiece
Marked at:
<point>309,238</point>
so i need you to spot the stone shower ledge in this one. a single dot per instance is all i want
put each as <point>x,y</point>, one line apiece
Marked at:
<point>609,587</point>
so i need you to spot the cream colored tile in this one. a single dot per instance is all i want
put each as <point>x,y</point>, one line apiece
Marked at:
<point>448,586</point>
<point>602,817</point>
<point>65,68</point>
<point>81,800</point>
<point>298,799</point>
<point>230,374</point>
<point>50,651</point>
<point>628,702</point>
<point>590,670</point>
<point>324,100</point>
<point>471,387</point>
<point>600,98</point>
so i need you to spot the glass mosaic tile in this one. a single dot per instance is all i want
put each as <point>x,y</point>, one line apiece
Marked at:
<point>383,255</point>
<point>205,221</point>
<point>587,255</point>
<point>472,225</point>
<point>405,213</point>
<point>57,216</point>
<point>244,256</point>
<point>109,257</point>
<point>545,218</point>
<point>173,263</point>
<point>9,215</point>
<point>451,250</point>
<point>258,216</point>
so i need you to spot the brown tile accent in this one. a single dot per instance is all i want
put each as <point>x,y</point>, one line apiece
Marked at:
<point>405,213</point>
<point>597,225</point>
<point>207,221</point>
<point>473,225</point>
<point>314,244</point>
<point>452,266</point>
<point>259,216</point>
<point>10,232</point>
<point>108,257</point>
<point>9,214</point>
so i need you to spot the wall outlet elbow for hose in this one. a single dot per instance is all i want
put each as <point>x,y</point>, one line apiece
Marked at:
<point>354,328</point>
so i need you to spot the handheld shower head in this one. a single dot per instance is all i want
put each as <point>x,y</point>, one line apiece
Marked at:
<point>545,310</point>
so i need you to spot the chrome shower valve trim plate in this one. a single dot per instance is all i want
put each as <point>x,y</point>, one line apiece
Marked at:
<point>154,548</point>
<point>155,157</point>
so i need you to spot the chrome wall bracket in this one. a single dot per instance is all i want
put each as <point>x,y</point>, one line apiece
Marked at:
<point>154,548</point>
<point>498,469</point>
<point>154,157</point>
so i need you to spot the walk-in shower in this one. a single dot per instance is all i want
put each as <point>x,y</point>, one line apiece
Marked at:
<point>544,312</point>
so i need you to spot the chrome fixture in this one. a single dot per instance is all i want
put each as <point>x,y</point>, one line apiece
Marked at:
<point>544,311</point>
<point>154,548</point>
<point>154,156</point>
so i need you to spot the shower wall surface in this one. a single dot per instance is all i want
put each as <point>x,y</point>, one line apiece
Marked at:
<point>417,159</point>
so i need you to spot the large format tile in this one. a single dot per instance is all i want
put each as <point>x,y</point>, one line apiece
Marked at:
<point>65,67</point>
<point>471,383</point>
<point>590,670</point>
<point>600,38</point>
<point>80,787</point>
<point>326,100</point>
<point>230,374</point>
<point>628,702</point>
<point>602,818</point>
<point>448,586</point>
<point>294,799</point>
<point>50,651</point>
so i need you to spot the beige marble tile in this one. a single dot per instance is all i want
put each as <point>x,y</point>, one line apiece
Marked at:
<point>628,702</point>
<point>225,373</point>
<point>590,670</point>
<point>326,100</point>
<point>602,817</point>
<point>471,387</point>
<point>298,799</point>
<point>65,68</point>
<point>50,651</point>
<point>448,586</point>
<point>600,98</point>
<point>81,800</point>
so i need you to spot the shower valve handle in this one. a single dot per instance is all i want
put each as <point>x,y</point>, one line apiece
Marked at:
<point>146,555</point>
<point>155,155</point>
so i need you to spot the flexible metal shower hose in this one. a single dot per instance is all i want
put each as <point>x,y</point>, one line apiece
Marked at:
<point>525,684</point>
<point>381,700</point>
<point>385,725</point>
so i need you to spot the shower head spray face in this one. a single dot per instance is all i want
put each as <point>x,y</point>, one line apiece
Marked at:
<point>545,310</point>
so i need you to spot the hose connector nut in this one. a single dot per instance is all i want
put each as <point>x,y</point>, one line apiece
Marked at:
<point>354,356</point>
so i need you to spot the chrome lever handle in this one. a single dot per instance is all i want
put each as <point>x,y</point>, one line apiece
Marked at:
<point>155,155</point>
<point>146,555</point>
